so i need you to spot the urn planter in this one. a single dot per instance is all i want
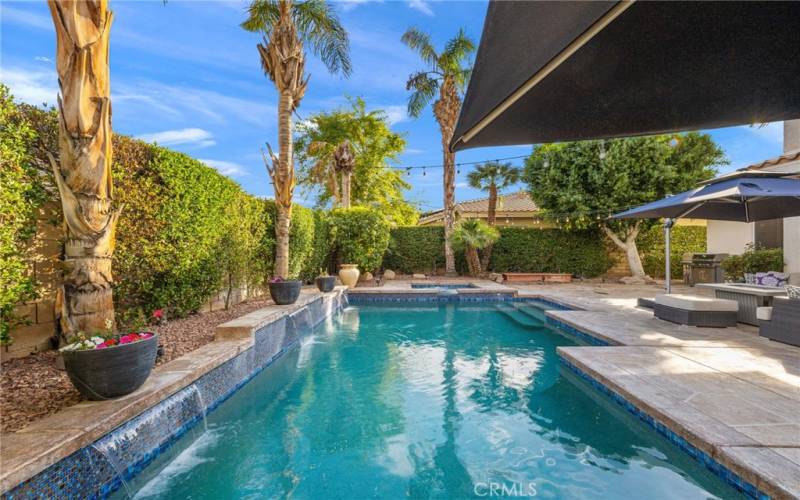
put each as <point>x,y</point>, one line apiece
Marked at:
<point>112,372</point>
<point>285,292</point>
<point>325,283</point>
<point>349,274</point>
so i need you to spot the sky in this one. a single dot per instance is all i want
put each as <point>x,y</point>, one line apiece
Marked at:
<point>186,75</point>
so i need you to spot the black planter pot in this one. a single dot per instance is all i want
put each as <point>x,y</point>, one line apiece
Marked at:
<point>285,292</point>
<point>111,372</point>
<point>325,283</point>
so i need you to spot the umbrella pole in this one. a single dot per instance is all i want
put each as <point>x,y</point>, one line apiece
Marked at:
<point>668,223</point>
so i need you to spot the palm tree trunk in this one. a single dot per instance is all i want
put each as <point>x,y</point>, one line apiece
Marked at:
<point>83,173</point>
<point>491,216</point>
<point>283,181</point>
<point>446,112</point>
<point>346,178</point>
<point>473,262</point>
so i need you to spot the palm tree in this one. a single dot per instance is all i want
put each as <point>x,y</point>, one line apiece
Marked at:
<point>447,73</point>
<point>493,177</point>
<point>83,172</point>
<point>344,162</point>
<point>287,26</point>
<point>473,235</point>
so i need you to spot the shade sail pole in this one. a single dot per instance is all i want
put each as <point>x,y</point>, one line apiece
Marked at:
<point>667,264</point>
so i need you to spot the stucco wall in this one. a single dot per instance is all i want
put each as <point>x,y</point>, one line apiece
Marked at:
<point>728,237</point>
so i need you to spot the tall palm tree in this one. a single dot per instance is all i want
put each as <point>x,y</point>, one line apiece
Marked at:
<point>83,171</point>
<point>447,73</point>
<point>287,26</point>
<point>493,177</point>
<point>473,235</point>
<point>345,162</point>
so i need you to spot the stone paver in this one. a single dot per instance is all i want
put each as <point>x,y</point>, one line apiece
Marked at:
<point>729,392</point>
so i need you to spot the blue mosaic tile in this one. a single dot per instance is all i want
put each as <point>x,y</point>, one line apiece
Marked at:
<point>699,455</point>
<point>98,470</point>
<point>586,337</point>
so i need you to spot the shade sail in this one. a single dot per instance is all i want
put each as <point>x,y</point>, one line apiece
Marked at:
<point>741,198</point>
<point>562,71</point>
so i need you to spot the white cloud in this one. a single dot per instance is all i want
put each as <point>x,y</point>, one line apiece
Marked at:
<point>772,132</point>
<point>348,5</point>
<point>194,136</point>
<point>43,59</point>
<point>414,151</point>
<point>22,17</point>
<point>32,87</point>
<point>228,168</point>
<point>395,113</point>
<point>422,6</point>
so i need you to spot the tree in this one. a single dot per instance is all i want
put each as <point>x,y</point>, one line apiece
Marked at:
<point>83,173</point>
<point>374,148</point>
<point>493,177</point>
<point>447,73</point>
<point>344,161</point>
<point>473,235</point>
<point>286,27</point>
<point>580,184</point>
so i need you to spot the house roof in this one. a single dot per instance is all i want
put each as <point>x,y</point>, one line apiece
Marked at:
<point>786,157</point>
<point>518,203</point>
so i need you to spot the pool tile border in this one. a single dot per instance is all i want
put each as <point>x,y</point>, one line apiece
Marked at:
<point>88,473</point>
<point>720,470</point>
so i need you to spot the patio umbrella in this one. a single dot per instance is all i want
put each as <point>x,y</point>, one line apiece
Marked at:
<point>563,71</point>
<point>746,196</point>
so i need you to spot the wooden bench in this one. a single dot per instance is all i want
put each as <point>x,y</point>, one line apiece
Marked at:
<point>537,277</point>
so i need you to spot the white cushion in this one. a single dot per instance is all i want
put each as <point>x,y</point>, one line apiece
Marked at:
<point>764,313</point>
<point>696,303</point>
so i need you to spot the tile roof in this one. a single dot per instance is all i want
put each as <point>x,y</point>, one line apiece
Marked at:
<point>786,157</point>
<point>518,202</point>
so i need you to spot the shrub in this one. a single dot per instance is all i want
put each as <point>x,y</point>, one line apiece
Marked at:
<point>361,236</point>
<point>301,238</point>
<point>21,194</point>
<point>753,260</point>
<point>684,239</point>
<point>415,249</point>
<point>321,248</point>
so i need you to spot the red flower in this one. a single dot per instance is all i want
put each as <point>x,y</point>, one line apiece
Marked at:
<point>158,313</point>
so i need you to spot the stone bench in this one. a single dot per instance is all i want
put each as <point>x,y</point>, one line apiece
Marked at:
<point>696,311</point>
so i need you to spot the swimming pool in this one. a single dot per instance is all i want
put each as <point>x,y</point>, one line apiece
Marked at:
<point>446,286</point>
<point>452,400</point>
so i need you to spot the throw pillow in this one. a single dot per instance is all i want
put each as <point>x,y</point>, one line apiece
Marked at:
<point>793,292</point>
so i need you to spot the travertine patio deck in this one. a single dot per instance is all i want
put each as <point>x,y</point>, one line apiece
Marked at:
<point>730,393</point>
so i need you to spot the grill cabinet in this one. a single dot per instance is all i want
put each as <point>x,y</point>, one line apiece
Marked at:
<point>703,268</point>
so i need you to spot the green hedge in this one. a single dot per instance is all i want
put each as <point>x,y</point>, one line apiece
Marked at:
<point>360,236</point>
<point>684,239</point>
<point>753,260</point>
<point>419,248</point>
<point>415,249</point>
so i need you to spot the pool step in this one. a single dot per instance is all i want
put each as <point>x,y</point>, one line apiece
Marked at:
<point>518,316</point>
<point>532,311</point>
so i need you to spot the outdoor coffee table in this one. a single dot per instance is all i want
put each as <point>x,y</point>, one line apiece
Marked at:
<point>749,297</point>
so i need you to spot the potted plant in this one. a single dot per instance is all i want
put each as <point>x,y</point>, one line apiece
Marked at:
<point>325,282</point>
<point>349,274</point>
<point>283,291</point>
<point>108,365</point>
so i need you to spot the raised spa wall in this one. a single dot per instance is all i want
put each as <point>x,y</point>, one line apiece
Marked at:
<point>95,470</point>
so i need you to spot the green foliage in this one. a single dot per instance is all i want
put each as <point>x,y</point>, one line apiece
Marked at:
<point>375,147</point>
<point>753,260</point>
<point>361,236</point>
<point>583,253</point>
<point>571,182</point>
<point>301,238</point>
<point>21,195</point>
<point>451,63</point>
<point>415,249</point>
<point>474,233</point>
<point>321,248</point>
<point>684,239</point>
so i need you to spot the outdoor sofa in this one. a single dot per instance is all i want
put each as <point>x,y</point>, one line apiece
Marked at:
<point>781,322</point>
<point>696,311</point>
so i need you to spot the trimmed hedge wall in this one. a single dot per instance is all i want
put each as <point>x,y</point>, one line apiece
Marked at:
<point>684,239</point>
<point>360,236</point>
<point>419,248</point>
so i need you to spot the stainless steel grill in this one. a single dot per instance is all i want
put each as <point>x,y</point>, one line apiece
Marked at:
<point>703,268</point>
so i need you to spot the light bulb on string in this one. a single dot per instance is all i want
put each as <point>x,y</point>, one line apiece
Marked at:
<point>424,173</point>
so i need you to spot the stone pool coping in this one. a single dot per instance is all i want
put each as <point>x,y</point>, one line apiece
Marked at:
<point>47,441</point>
<point>726,396</point>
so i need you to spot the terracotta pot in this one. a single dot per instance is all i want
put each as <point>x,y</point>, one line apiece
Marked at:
<point>349,274</point>
<point>111,372</point>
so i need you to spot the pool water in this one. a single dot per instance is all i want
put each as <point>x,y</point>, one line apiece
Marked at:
<point>425,401</point>
<point>446,286</point>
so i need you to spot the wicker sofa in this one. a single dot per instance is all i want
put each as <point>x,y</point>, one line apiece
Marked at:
<point>781,322</point>
<point>696,311</point>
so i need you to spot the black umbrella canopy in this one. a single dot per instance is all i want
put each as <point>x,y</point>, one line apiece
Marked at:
<point>741,197</point>
<point>563,71</point>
